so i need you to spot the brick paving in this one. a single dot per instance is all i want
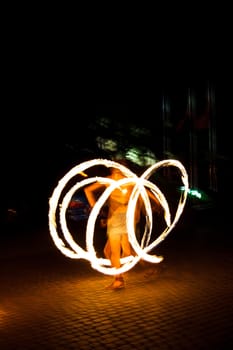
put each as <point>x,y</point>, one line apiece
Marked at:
<point>48,301</point>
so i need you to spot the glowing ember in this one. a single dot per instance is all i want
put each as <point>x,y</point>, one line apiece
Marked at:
<point>140,189</point>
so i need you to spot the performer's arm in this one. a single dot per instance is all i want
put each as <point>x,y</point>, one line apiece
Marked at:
<point>90,192</point>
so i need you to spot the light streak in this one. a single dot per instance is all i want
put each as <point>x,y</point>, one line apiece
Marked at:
<point>141,186</point>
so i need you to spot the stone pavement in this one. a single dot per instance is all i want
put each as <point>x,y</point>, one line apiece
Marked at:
<point>49,301</point>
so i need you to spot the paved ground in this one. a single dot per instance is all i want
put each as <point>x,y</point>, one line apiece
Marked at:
<point>48,301</point>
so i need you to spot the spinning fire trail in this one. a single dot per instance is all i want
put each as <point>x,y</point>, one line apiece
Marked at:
<point>142,184</point>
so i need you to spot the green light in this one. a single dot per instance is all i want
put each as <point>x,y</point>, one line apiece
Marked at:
<point>193,192</point>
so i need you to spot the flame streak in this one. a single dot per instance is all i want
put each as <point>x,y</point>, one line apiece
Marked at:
<point>142,184</point>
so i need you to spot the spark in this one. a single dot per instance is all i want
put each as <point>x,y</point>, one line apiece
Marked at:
<point>141,185</point>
